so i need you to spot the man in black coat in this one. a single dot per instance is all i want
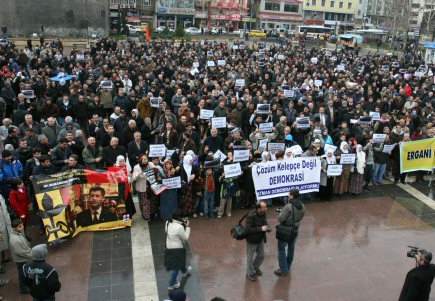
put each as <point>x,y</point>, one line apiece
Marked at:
<point>419,280</point>
<point>136,148</point>
<point>256,228</point>
<point>112,151</point>
<point>96,213</point>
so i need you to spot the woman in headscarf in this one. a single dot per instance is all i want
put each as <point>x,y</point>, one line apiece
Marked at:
<point>357,177</point>
<point>288,154</point>
<point>341,185</point>
<point>188,174</point>
<point>266,156</point>
<point>169,197</point>
<point>326,183</point>
<point>121,170</point>
<point>140,178</point>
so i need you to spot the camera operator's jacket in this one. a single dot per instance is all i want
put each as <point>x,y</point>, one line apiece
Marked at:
<point>177,234</point>
<point>286,216</point>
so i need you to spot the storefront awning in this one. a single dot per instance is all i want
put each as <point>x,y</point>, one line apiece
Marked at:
<point>280,17</point>
<point>233,17</point>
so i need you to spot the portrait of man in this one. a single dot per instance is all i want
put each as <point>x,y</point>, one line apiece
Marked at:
<point>96,213</point>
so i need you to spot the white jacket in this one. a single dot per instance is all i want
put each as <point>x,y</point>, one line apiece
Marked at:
<point>176,235</point>
<point>139,178</point>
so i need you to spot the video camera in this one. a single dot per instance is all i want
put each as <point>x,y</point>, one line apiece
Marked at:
<point>412,251</point>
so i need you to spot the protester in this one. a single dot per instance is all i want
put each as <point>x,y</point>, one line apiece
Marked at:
<point>20,251</point>
<point>41,278</point>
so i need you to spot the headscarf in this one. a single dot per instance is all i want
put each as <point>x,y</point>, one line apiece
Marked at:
<point>120,159</point>
<point>330,159</point>
<point>360,159</point>
<point>288,153</point>
<point>264,156</point>
<point>343,144</point>
<point>187,165</point>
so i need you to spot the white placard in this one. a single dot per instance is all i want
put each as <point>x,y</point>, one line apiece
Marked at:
<point>235,47</point>
<point>275,147</point>
<point>232,170</point>
<point>211,64</point>
<point>172,183</point>
<point>318,83</point>
<point>219,122</point>
<point>303,122</point>
<point>334,170</point>
<point>263,108</point>
<point>28,94</point>
<point>276,178</point>
<point>289,93</point>
<point>209,53</point>
<point>314,60</point>
<point>240,82</point>
<point>266,127</point>
<point>341,67</point>
<point>195,65</point>
<point>262,144</point>
<point>221,62</point>
<point>328,147</point>
<point>106,85</point>
<point>157,150</point>
<point>296,150</point>
<point>375,116</point>
<point>155,102</point>
<point>240,155</point>
<point>205,114</point>
<point>280,57</point>
<point>379,138</point>
<point>219,155</point>
<point>354,121</point>
<point>388,148</point>
<point>80,57</point>
<point>169,153</point>
<point>347,158</point>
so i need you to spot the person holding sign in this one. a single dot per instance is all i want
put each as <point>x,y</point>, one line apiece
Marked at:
<point>341,185</point>
<point>188,173</point>
<point>169,197</point>
<point>229,189</point>
<point>326,182</point>
<point>380,159</point>
<point>140,182</point>
<point>357,176</point>
<point>209,192</point>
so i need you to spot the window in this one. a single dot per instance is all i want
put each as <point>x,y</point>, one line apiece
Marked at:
<point>291,8</point>
<point>146,2</point>
<point>313,2</point>
<point>272,6</point>
<point>340,5</point>
<point>349,5</point>
<point>332,3</point>
<point>323,2</point>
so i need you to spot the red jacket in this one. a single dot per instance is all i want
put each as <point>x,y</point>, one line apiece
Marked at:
<point>408,90</point>
<point>19,201</point>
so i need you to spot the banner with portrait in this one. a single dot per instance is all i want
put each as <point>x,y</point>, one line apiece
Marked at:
<point>81,200</point>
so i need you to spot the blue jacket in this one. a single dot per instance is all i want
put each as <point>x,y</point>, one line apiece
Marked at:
<point>10,171</point>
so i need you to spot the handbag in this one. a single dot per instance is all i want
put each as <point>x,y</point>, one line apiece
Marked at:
<point>287,233</point>
<point>238,232</point>
<point>175,259</point>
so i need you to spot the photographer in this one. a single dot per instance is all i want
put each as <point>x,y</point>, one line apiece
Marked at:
<point>256,228</point>
<point>177,235</point>
<point>419,280</point>
<point>287,231</point>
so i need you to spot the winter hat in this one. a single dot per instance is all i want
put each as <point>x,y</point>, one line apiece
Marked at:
<point>177,295</point>
<point>39,252</point>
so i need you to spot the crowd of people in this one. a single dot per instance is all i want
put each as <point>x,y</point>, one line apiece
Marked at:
<point>93,108</point>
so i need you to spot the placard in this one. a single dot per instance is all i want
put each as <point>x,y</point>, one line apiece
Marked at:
<point>375,116</point>
<point>219,155</point>
<point>379,138</point>
<point>157,150</point>
<point>329,147</point>
<point>275,147</point>
<point>347,158</point>
<point>155,102</point>
<point>106,85</point>
<point>205,114</point>
<point>280,57</point>
<point>240,155</point>
<point>263,109</point>
<point>195,65</point>
<point>266,127</point>
<point>172,183</point>
<point>262,144</point>
<point>232,170</point>
<point>169,153</point>
<point>388,148</point>
<point>28,94</point>
<point>289,93</point>
<point>334,170</point>
<point>211,64</point>
<point>240,82</point>
<point>318,83</point>
<point>314,60</point>
<point>296,150</point>
<point>80,57</point>
<point>221,62</point>
<point>219,122</point>
<point>303,122</point>
<point>341,67</point>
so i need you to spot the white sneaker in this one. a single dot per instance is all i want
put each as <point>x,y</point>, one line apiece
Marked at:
<point>175,286</point>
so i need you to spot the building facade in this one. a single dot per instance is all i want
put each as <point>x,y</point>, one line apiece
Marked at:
<point>331,13</point>
<point>420,8</point>
<point>170,13</point>
<point>283,14</point>
<point>130,11</point>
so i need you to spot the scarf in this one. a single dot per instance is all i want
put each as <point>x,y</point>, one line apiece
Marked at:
<point>187,165</point>
<point>360,159</point>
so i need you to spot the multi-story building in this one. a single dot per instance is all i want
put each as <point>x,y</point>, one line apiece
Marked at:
<point>418,9</point>
<point>169,13</point>
<point>361,13</point>
<point>280,14</point>
<point>332,13</point>
<point>130,11</point>
<point>227,13</point>
<point>379,12</point>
